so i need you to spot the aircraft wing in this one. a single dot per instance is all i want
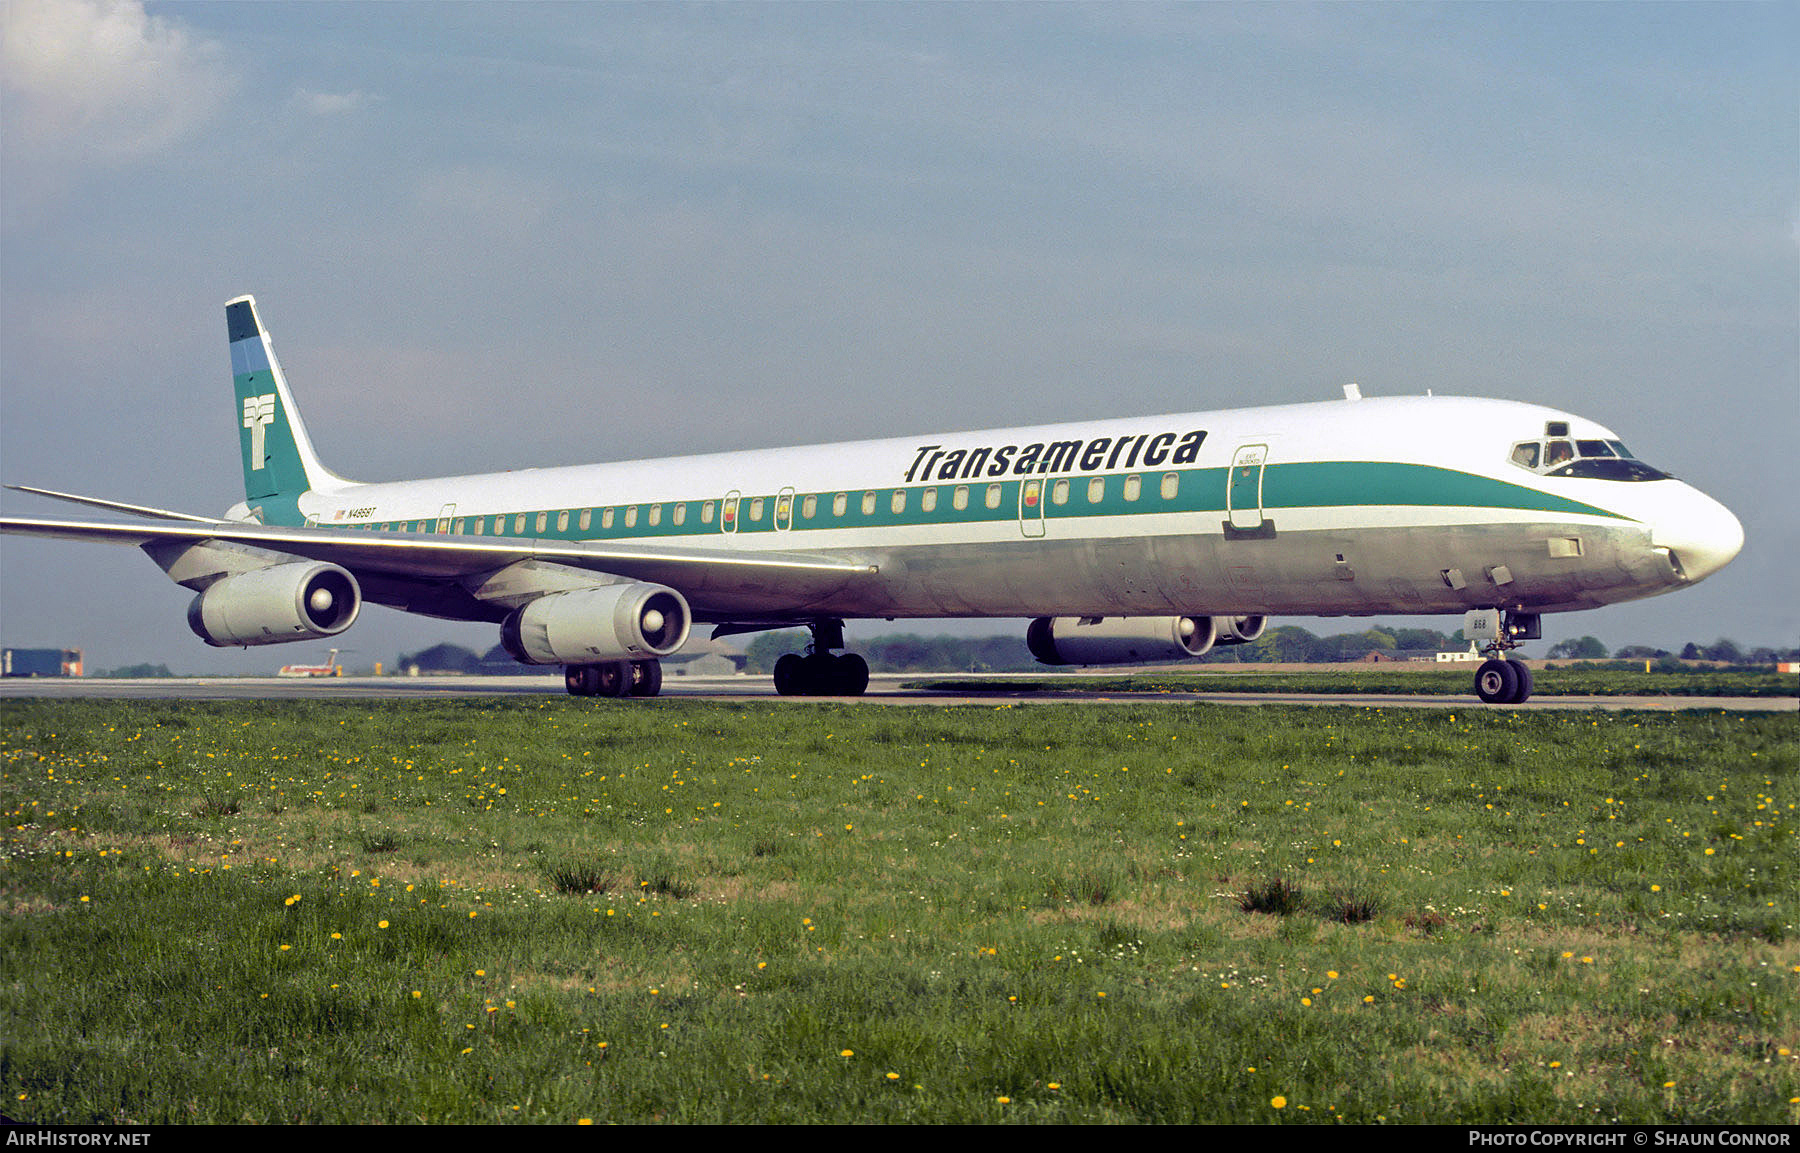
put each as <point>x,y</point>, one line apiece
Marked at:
<point>397,560</point>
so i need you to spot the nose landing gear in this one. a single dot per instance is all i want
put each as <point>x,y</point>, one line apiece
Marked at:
<point>1501,679</point>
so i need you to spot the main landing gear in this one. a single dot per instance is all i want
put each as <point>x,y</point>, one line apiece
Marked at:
<point>1502,680</point>
<point>614,679</point>
<point>819,673</point>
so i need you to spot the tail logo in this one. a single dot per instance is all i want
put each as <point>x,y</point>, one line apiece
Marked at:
<point>259,413</point>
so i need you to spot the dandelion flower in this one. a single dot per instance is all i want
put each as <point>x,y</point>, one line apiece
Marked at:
<point>1278,1102</point>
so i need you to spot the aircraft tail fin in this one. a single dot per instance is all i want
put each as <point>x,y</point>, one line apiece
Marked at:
<point>279,461</point>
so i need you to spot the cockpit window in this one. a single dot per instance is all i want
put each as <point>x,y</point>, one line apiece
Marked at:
<point>1582,459</point>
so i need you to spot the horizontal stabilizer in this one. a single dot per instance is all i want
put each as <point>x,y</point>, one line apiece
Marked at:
<point>114,505</point>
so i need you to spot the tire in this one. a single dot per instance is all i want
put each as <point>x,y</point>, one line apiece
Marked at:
<point>613,679</point>
<point>850,675</point>
<point>1497,682</point>
<point>1523,693</point>
<point>580,680</point>
<point>646,678</point>
<point>790,675</point>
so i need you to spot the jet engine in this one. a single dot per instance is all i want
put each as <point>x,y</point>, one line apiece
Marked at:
<point>1119,640</point>
<point>616,622</point>
<point>302,601</point>
<point>1239,630</point>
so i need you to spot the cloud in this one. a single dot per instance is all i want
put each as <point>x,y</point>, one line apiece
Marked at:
<point>331,103</point>
<point>101,82</point>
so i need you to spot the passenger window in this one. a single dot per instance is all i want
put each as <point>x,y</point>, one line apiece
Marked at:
<point>1097,490</point>
<point>480,523</point>
<point>756,509</point>
<point>993,496</point>
<point>587,519</point>
<point>840,504</point>
<point>809,506</point>
<point>631,516</point>
<point>928,500</point>
<point>1171,484</point>
<point>868,505</point>
<point>519,525</point>
<point>959,499</point>
<point>606,519</point>
<point>1059,492</point>
<point>681,514</point>
<point>457,527</point>
<point>1134,484</point>
<point>655,515</point>
<point>898,503</point>
<point>706,512</point>
<point>562,521</point>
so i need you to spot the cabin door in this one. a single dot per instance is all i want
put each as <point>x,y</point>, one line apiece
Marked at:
<point>1243,489</point>
<point>1031,506</point>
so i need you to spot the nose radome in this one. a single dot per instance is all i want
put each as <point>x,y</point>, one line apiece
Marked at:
<point>1701,532</point>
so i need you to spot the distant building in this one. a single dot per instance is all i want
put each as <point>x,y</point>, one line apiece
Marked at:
<point>40,662</point>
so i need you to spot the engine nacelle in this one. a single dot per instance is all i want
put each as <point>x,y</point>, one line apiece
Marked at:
<point>607,623</point>
<point>1239,630</point>
<point>302,601</point>
<point>1118,640</point>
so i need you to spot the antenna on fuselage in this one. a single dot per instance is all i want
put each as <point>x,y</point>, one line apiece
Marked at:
<point>1351,392</point>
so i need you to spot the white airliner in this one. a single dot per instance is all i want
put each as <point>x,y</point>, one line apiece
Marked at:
<point>1144,539</point>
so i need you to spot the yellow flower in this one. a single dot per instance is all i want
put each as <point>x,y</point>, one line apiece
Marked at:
<point>1278,1102</point>
<point>848,1053</point>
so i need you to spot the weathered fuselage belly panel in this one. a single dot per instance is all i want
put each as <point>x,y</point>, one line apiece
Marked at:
<point>1401,569</point>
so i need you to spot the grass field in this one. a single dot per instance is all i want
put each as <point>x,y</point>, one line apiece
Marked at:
<point>555,910</point>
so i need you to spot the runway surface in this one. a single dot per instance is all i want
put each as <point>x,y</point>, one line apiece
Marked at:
<point>883,690</point>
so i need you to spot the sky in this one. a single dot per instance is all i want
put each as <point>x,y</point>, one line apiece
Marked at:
<point>487,236</point>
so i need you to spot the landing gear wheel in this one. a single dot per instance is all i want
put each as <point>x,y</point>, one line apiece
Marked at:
<point>614,679</point>
<point>1497,681</point>
<point>646,678</point>
<point>581,680</point>
<point>789,675</point>
<point>1524,691</point>
<point>851,675</point>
